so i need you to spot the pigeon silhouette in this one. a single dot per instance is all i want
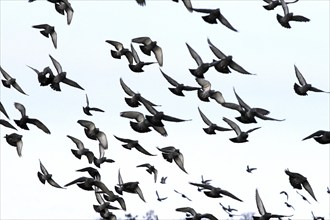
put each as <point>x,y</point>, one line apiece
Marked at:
<point>15,140</point>
<point>45,176</point>
<point>87,109</point>
<point>284,20</point>
<point>10,81</point>
<point>47,31</point>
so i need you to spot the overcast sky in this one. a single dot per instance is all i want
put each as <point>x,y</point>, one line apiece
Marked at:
<point>261,46</point>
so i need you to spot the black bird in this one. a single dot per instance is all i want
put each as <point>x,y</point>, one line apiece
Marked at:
<point>249,170</point>
<point>113,198</point>
<point>272,4</point>
<point>136,98</point>
<point>195,215</point>
<point>289,206</point>
<point>215,192</point>
<point>187,4</point>
<point>81,150</point>
<point>284,20</point>
<point>304,86</point>
<point>61,77</point>
<point>262,211</point>
<point>157,117</point>
<point>213,15</point>
<point>133,144</point>
<point>10,81</point>
<point>182,195</point>
<point>159,198</point>
<point>62,6</point>
<point>227,209</point>
<point>316,217</point>
<point>171,153</point>
<point>45,176</point>
<point>150,169</point>
<point>45,77</point>
<point>89,184</point>
<point>129,187</point>
<point>211,126</point>
<point>164,178</point>
<point>91,171</point>
<point>298,181</point>
<point>94,133</point>
<point>120,51</point>
<point>142,124</point>
<point>226,61</point>
<point>22,123</point>
<point>141,2</point>
<point>241,135</point>
<point>286,194</point>
<point>202,67</point>
<point>150,46</point>
<point>103,207</point>
<point>102,158</point>
<point>328,190</point>
<point>15,140</point>
<point>47,31</point>
<point>303,197</point>
<point>321,136</point>
<point>178,87</point>
<point>87,109</point>
<point>137,67</point>
<point>206,92</point>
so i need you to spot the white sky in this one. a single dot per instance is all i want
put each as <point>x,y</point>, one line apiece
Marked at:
<point>261,46</point>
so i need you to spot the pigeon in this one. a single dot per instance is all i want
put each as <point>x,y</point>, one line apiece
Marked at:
<point>249,170</point>
<point>164,178</point>
<point>22,123</point>
<point>226,61</point>
<point>262,211</point>
<point>227,209</point>
<point>133,144</point>
<point>178,87</point>
<point>288,205</point>
<point>120,51</point>
<point>45,77</point>
<point>101,159</point>
<point>195,215</point>
<point>129,187</point>
<point>87,183</point>
<point>321,136</point>
<point>211,126</point>
<point>171,153</point>
<point>272,4</point>
<point>103,206</point>
<point>157,116</point>
<point>248,114</point>
<point>15,140</point>
<point>213,15</point>
<point>298,181</point>
<point>215,192</point>
<point>64,5</point>
<point>286,194</point>
<point>304,86</point>
<point>136,98</point>
<point>150,46</point>
<point>61,77</point>
<point>141,2</point>
<point>150,169</point>
<point>45,176</point>
<point>241,135</point>
<point>10,81</point>
<point>202,67</point>
<point>87,109</point>
<point>113,198</point>
<point>142,125</point>
<point>182,195</point>
<point>137,67</point>
<point>187,4</point>
<point>81,150</point>
<point>159,198</point>
<point>206,92</point>
<point>47,31</point>
<point>94,133</point>
<point>92,172</point>
<point>284,20</point>
<point>303,197</point>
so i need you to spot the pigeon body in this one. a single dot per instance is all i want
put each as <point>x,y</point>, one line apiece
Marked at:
<point>10,81</point>
<point>15,140</point>
<point>120,51</point>
<point>320,136</point>
<point>45,176</point>
<point>150,46</point>
<point>87,110</point>
<point>284,20</point>
<point>171,153</point>
<point>241,135</point>
<point>47,31</point>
